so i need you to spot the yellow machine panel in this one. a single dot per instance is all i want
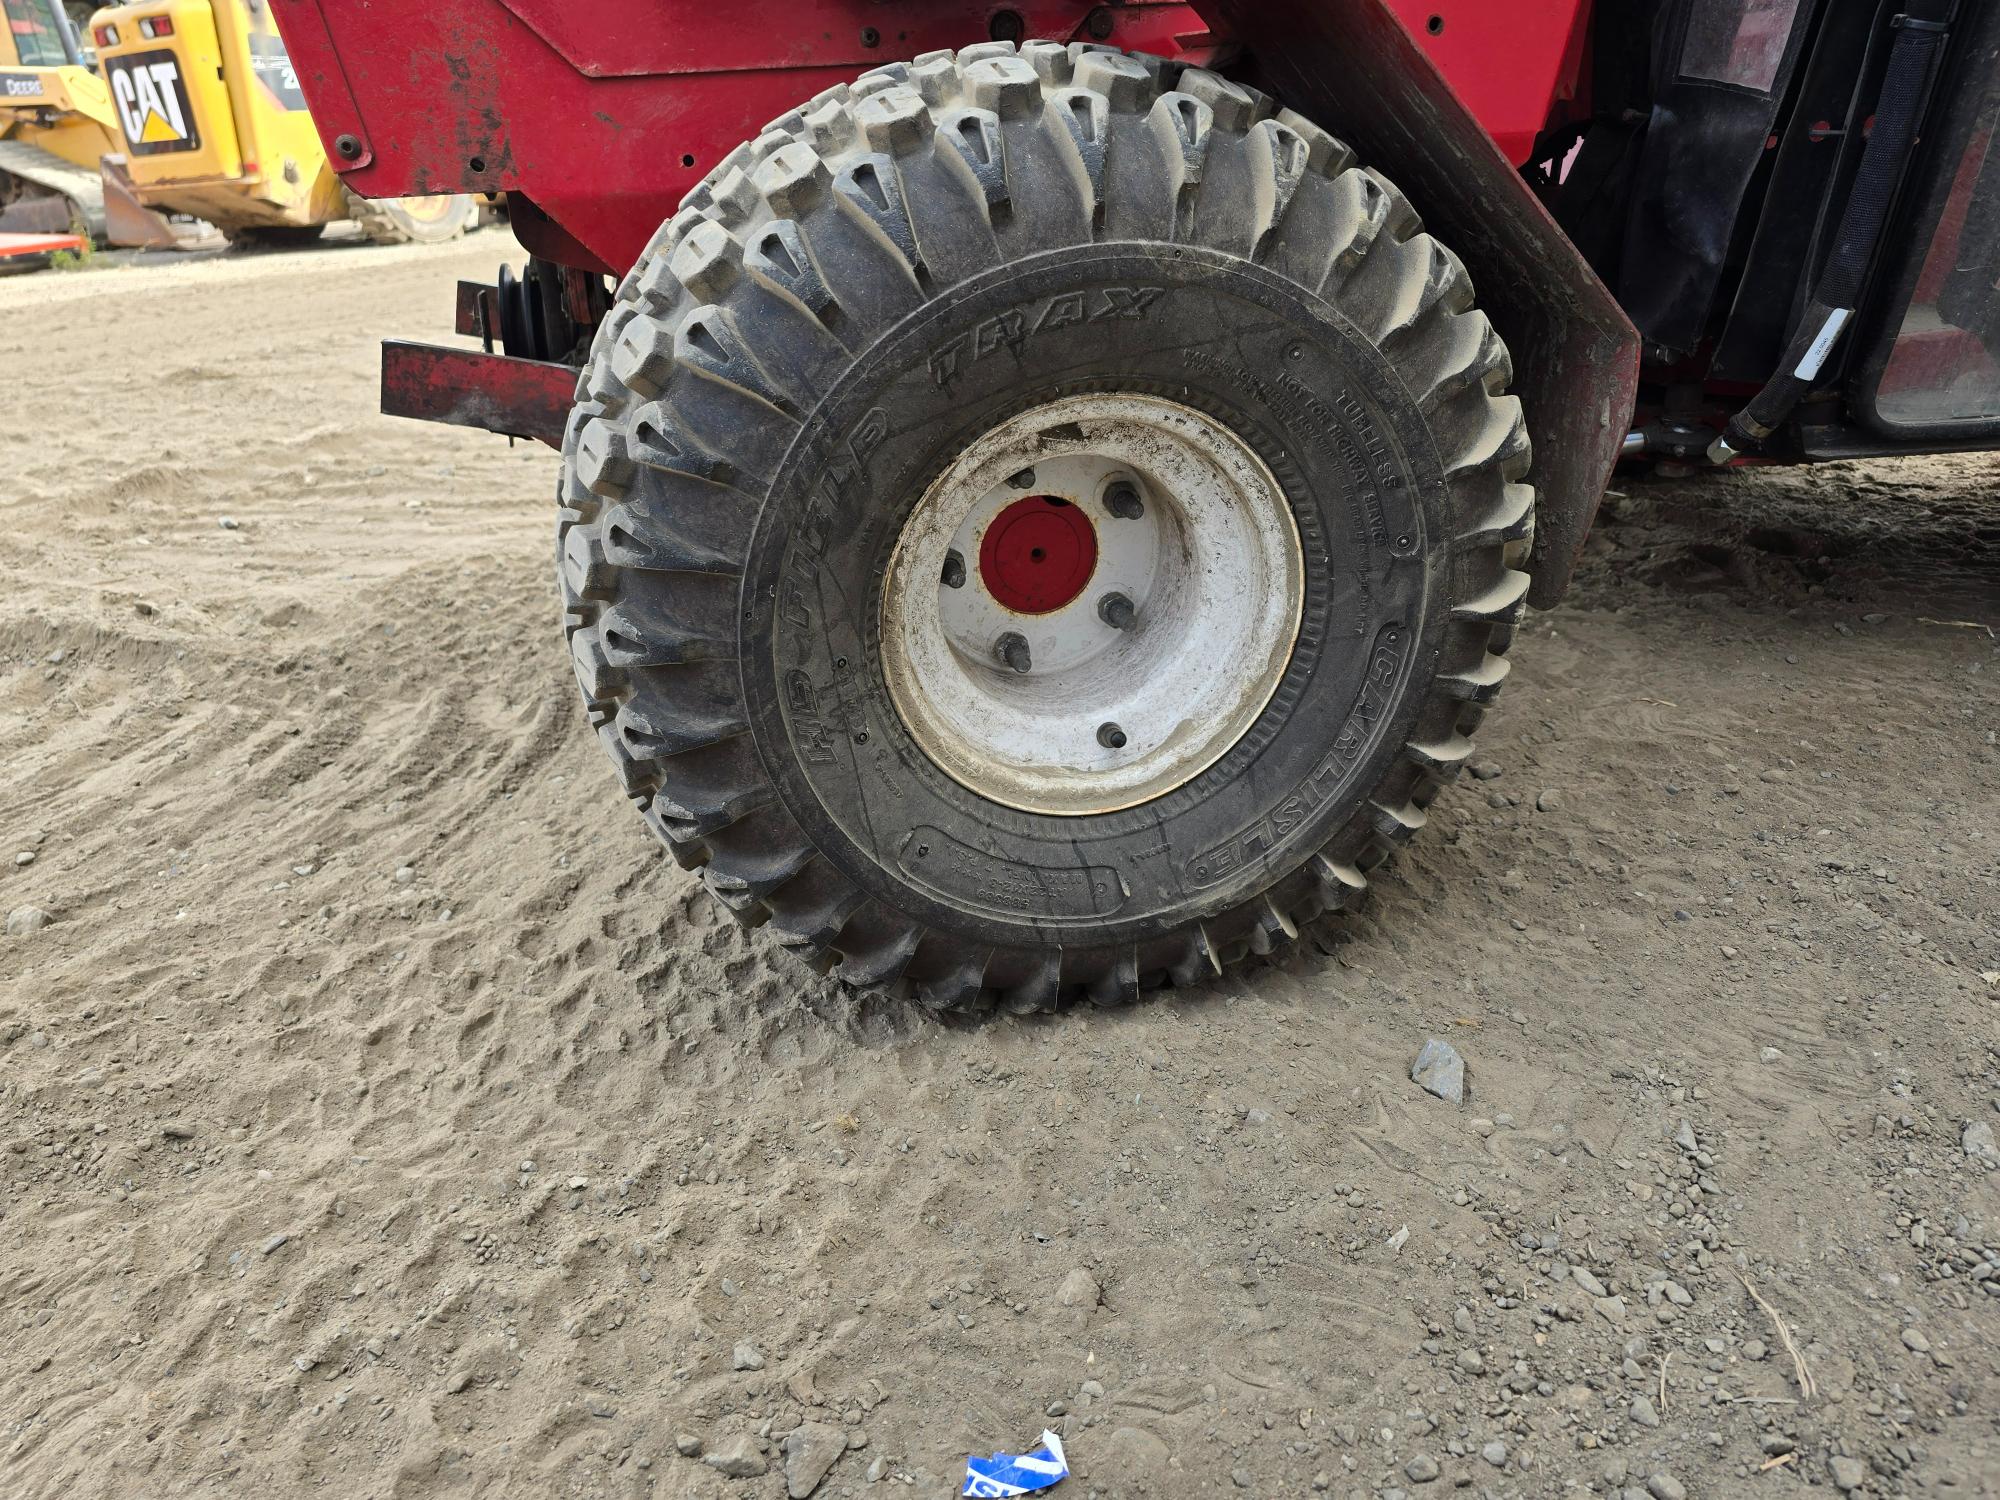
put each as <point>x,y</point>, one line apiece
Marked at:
<point>212,115</point>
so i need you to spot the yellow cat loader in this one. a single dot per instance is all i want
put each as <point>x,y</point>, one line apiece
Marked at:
<point>214,125</point>
<point>56,127</point>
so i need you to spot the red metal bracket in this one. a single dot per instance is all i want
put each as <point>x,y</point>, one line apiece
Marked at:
<point>519,397</point>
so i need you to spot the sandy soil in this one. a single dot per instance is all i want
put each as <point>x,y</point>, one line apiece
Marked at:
<point>381,1114</point>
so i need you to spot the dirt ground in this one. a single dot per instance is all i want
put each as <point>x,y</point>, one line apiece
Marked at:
<point>382,1114</point>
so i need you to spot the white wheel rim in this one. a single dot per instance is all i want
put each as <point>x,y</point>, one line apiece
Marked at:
<point>1212,568</point>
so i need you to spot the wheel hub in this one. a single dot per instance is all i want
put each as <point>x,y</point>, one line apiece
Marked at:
<point>1037,554</point>
<point>1092,604</point>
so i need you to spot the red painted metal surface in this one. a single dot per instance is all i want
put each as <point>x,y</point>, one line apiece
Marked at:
<point>604,115</point>
<point>465,388</point>
<point>1513,66</point>
<point>591,111</point>
<point>1038,554</point>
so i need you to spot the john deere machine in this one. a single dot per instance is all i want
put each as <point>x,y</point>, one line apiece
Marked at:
<point>1049,489</point>
<point>214,124</point>
<point>56,127</point>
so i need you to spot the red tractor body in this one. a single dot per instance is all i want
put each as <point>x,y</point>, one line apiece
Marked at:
<point>1051,491</point>
<point>605,116</point>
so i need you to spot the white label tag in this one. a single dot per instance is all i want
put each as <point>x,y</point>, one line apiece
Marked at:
<point>1823,344</point>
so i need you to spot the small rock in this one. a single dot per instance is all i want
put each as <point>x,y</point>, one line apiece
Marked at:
<point>458,1382</point>
<point>1977,1140</point>
<point>1422,1469</point>
<point>737,1458</point>
<point>1754,1350</point>
<point>1495,1453</point>
<point>25,857</point>
<point>1848,1473</point>
<point>687,1445</point>
<point>176,1130</point>
<point>1684,1138</point>
<point>1776,773</point>
<point>810,1449</point>
<point>1663,1486</point>
<point>274,1243</point>
<point>578,1184</point>
<point>876,1470</point>
<point>1079,1289</point>
<point>1400,1238</point>
<point>405,874</point>
<point>228,523</point>
<point>1440,1070</point>
<point>1548,801</point>
<point>23,920</point>
<point>1590,1284</point>
<point>1485,770</point>
<point>1472,1361</point>
<point>1768,1054</point>
<point>1913,1338</point>
<point>746,1357</point>
<point>1643,1411</point>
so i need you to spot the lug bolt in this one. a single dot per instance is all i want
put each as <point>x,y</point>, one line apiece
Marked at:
<point>1110,736</point>
<point>954,570</point>
<point>1025,480</point>
<point>1012,648</point>
<point>1121,498</point>
<point>1117,611</point>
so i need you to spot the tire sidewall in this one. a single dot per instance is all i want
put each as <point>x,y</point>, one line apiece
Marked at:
<point>1320,405</point>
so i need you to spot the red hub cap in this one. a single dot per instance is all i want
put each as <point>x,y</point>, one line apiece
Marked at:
<point>1037,555</point>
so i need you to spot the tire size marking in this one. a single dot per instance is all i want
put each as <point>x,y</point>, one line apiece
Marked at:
<point>1258,839</point>
<point>1012,329</point>
<point>1355,443</point>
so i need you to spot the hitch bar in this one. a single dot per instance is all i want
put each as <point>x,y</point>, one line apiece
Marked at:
<point>527,398</point>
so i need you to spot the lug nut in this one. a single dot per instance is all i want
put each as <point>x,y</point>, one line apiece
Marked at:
<point>1025,480</point>
<point>1110,736</point>
<point>1012,648</point>
<point>1117,611</point>
<point>1121,498</point>
<point>954,570</point>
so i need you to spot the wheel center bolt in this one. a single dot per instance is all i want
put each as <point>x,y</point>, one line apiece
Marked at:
<point>1012,648</point>
<point>1110,736</point>
<point>1117,611</point>
<point>954,570</point>
<point>1121,498</point>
